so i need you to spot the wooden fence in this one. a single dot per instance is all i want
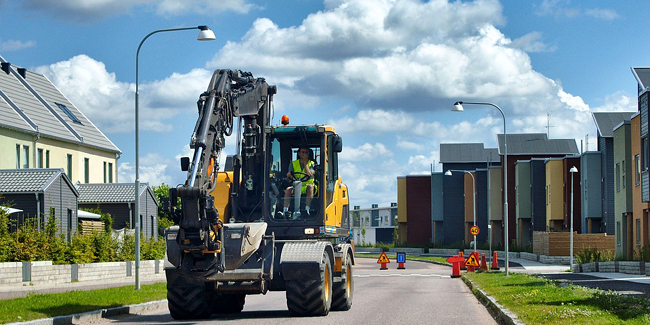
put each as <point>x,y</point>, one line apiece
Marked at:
<point>558,243</point>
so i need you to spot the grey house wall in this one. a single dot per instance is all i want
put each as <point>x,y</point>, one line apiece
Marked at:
<point>120,212</point>
<point>437,205</point>
<point>454,201</point>
<point>482,205</point>
<point>538,194</point>
<point>592,207</point>
<point>523,202</point>
<point>606,147</point>
<point>59,196</point>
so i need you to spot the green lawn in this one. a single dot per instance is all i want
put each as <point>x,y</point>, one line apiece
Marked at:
<point>36,306</point>
<point>540,301</point>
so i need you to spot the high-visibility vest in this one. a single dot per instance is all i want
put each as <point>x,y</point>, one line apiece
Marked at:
<point>297,168</point>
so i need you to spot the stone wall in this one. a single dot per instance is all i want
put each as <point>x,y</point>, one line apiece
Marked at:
<point>44,272</point>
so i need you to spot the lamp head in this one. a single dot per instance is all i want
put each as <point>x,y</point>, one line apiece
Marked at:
<point>573,169</point>
<point>206,34</point>
<point>458,107</point>
<point>448,172</point>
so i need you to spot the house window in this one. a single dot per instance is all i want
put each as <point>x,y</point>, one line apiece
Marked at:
<point>152,227</point>
<point>110,172</point>
<point>26,154</point>
<point>644,154</point>
<point>86,170</point>
<point>17,156</point>
<point>69,225</point>
<point>104,172</point>
<point>637,172</point>
<point>623,173</point>
<point>618,233</point>
<point>47,159</point>
<point>40,158</point>
<point>618,177</point>
<point>585,198</point>
<point>67,112</point>
<point>638,232</point>
<point>69,171</point>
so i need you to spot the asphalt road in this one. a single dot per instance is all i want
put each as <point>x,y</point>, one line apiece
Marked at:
<point>591,281</point>
<point>423,293</point>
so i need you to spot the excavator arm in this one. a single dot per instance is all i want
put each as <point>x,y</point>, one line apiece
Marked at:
<point>231,94</point>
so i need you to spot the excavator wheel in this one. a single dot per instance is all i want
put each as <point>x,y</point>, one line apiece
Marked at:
<point>187,298</point>
<point>229,304</point>
<point>307,297</point>
<point>342,291</point>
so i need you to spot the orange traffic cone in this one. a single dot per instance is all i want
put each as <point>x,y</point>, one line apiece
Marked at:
<point>495,262</point>
<point>483,262</point>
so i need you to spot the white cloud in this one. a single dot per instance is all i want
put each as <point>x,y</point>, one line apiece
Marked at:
<point>366,152</point>
<point>532,43</point>
<point>563,8</point>
<point>605,14</point>
<point>85,10</point>
<point>13,45</point>
<point>109,104</point>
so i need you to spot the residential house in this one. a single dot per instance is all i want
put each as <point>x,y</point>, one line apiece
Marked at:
<point>414,209</point>
<point>605,123</point>
<point>118,199</point>
<point>525,147</point>
<point>461,157</point>
<point>591,198</point>
<point>41,128</point>
<point>374,225</point>
<point>623,210</point>
<point>40,194</point>
<point>523,203</point>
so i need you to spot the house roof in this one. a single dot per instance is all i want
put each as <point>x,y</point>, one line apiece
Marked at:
<point>605,122</point>
<point>537,144</point>
<point>31,180</point>
<point>30,103</point>
<point>111,193</point>
<point>467,153</point>
<point>642,75</point>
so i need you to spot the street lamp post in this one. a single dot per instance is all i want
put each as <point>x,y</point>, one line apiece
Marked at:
<point>205,34</point>
<point>448,173</point>
<point>458,107</point>
<point>573,170</point>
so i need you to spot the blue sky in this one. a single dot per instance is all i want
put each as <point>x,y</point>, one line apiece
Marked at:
<point>383,73</point>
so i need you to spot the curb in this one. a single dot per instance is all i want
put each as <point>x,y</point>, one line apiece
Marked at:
<point>503,315</point>
<point>97,315</point>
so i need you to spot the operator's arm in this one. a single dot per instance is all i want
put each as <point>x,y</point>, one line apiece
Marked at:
<point>290,172</point>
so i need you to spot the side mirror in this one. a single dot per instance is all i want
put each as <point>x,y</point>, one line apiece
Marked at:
<point>337,144</point>
<point>185,163</point>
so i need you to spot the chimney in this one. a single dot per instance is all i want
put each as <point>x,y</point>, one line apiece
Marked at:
<point>5,67</point>
<point>22,72</point>
<point>374,206</point>
<point>394,204</point>
<point>357,207</point>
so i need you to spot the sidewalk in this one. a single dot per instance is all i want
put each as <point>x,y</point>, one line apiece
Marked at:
<point>17,291</point>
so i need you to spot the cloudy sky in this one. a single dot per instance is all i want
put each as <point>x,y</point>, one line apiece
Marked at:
<point>384,73</point>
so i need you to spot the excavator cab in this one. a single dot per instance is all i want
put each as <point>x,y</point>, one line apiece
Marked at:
<point>298,204</point>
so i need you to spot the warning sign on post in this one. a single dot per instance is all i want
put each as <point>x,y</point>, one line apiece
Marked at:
<point>471,261</point>
<point>383,258</point>
<point>474,230</point>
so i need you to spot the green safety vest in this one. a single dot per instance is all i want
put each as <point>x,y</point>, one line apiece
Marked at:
<point>297,168</point>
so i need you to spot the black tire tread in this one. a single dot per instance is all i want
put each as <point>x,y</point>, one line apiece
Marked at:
<point>306,297</point>
<point>341,301</point>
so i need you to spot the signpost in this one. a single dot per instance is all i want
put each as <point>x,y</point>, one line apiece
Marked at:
<point>383,260</point>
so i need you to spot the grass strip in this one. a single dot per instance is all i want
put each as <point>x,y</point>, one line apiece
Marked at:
<point>537,300</point>
<point>36,306</point>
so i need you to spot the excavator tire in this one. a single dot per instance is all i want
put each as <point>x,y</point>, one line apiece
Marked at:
<point>342,291</point>
<point>307,297</point>
<point>187,298</point>
<point>229,304</point>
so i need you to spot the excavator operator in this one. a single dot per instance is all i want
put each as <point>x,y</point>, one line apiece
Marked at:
<point>301,169</point>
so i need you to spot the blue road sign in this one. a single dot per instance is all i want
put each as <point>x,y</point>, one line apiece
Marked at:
<point>401,257</point>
